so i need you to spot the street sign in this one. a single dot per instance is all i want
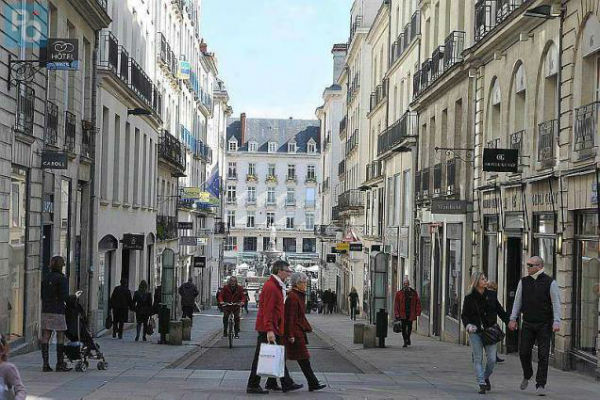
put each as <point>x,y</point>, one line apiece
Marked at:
<point>133,242</point>
<point>335,250</point>
<point>375,247</point>
<point>199,262</point>
<point>500,160</point>
<point>188,240</point>
<point>356,246</point>
<point>446,206</point>
<point>342,246</point>
<point>185,225</point>
<point>62,54</point>
<point>54,159</point>
<point>331,258</point>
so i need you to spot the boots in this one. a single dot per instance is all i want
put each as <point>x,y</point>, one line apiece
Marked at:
<point>61,365</point>
<point>45,357</point>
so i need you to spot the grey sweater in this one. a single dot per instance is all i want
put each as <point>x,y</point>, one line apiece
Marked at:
<point>10,378</point>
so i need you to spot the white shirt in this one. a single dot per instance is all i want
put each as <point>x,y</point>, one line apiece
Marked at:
<point>282,286</point>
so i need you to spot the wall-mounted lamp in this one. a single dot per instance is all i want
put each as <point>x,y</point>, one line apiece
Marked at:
<point>474,237</point>
<point>499,239</point>
<point>526,241</point>
<point>559,243</point>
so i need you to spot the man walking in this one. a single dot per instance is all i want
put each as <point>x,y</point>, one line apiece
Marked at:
<point>269,324</point>
<point>407,307</point>
<point>538,298</point>
<point>188,292</point>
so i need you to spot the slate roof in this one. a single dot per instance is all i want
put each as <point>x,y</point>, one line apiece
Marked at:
<point>281,131</point>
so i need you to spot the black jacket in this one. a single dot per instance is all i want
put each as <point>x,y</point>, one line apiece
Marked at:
<point>142,304</point>
<point>188,293</point>
<point>482,310</point>
<point>55,291</point>
<point>157,299</point>
<point>121,298</point>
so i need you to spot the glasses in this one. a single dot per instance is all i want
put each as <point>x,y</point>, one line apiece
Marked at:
<point>531,265</point>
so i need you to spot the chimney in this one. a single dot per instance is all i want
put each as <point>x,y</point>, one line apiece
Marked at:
<point>339,52</point>
<point>243,128</point>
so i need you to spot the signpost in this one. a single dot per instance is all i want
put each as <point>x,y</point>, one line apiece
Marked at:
<point>500,160</point>
<point>133,242</point>
<point>54,159</point>
<point>185,225</point>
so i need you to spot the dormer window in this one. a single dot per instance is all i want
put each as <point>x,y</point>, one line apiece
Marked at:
<point>291,147</point>
<point>233,145</point>
<point>272,147</point>
<point>311,147</point>
<point>252,146</point>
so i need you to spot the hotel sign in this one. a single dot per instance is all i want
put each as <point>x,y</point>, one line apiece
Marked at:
<point>500,160</point>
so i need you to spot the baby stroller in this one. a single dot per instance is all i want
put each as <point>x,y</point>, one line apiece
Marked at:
<point>81,347</point>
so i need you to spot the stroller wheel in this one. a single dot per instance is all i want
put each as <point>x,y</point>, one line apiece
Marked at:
<point>80,366</point>
<point>101,365</point>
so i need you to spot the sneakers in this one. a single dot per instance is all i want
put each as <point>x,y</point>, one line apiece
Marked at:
<point>540,390</point>
<point>488,385</point>
<point>524,384</point>
<point>236,336</point>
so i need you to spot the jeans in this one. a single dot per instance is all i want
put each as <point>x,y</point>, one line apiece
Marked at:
<point>254,380</point>
<point>406,330</point>
<point>353,312</point>
<point>477,347</point>
<point>530,333</point>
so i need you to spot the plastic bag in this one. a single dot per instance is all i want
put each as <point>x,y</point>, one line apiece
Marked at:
<point>271,361</point>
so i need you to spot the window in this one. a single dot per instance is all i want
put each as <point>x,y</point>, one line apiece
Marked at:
<point>290,199</point>
<point>233,145</point>
<point>271,170</point>
<point>291,171</point>
<point>271,196</point>
<point>544,237</point>
<point>310,173</point>
<point>309,245</point>
<point>310,197</point>
<point>250,243</point>
<point>289,245</point>
<point>407,198</point>
<point>251,169</point>
<point>309,219</point>
<point>251,195</point>
<point>311,147</point>
<point>231,243</point>
<point>231,194</point>
<point>252,146</point>
<point>272,147</point>
<point>270,219</point>
<point>453,268</point>
<point>231,218</point>
<point>289,222</point>
<point>232,170</point>
<point>266,242</point>
<point>490,247</point>
<point>16,256</point>
<point>292,147</point>
<point>250,219</point>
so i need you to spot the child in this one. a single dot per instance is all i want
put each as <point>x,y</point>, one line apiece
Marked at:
<point>9,374</point>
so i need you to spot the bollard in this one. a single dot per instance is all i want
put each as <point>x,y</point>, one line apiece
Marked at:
<point>382,326</point>
<point>163,323</point>
<point>175,331</point>
<point>186,329</point>
<point>369,336</point>
<point>359,331</point>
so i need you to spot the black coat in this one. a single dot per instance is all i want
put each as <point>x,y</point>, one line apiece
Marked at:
<point>482,310</point>
<point>121,298</point>
<point>188,292</point>
<point>157,299</point>
<point>55,291</point>
<point>142,305</point>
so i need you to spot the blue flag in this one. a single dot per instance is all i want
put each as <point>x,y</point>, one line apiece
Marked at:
<point>213,184</point>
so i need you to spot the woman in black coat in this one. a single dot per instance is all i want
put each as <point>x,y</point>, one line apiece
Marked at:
<point>120,304</point>
<point>142,305</point>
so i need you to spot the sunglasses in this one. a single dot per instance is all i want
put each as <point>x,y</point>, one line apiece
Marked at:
<point>531,265</point>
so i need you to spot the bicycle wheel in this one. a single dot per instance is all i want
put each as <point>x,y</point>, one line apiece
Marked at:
<point>230,335</point>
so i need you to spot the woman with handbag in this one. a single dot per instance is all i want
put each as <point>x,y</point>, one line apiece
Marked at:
<point>479,316</point>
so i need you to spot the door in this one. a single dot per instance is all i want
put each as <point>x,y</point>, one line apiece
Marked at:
<point>513,275</point>
<point>437,285</point>
<point>104,285</point>
<point>125,265</point>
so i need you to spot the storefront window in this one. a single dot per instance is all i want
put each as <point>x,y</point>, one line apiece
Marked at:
<point>16,264</point>
<point>453,269</point>
<point>588,283</point>
<point>425,276</point>
<point>65,224</point>
<point>490,248</point>
<point>544,240</point>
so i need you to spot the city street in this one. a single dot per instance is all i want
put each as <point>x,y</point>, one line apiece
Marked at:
<point>206,369</point>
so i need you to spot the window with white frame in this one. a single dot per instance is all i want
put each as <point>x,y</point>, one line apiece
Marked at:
<point>271,199</point>
<point>309,220</point>
<point>231,243</point>
<point>231,218</point>
<point>233,145</point>
<point>310,173</point>
<point>252,169</point>
<point>290,199</point>
<point>311,147</point>
<point>231,194</point>
<point>291,171</point>
<point>291,147</point>
<point>270,219</point>
<point>289,222</point>
<point>251,192</point>
<point>271,170</point>
<point>250,219</point>
<point>252,147</point>
<point>272,147</point>
<point>232,169</point>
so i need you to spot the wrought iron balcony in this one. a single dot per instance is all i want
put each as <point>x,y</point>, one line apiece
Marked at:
<point>342,167</point>
<point>88,139</point>
<point>352,199</point>
<point>51,133</point>
<point>335,213</point>
<point>506,7</point>
<point>171,150</point>
<point>352,142</point>
<point>416,84</point>
<point>354,26</point>
<point>484,21</point>
<point>123,64</point>
<point>425,173</point>
<point>379,94</point>
<point>139,82</point>
<point>437,63</point>
<point>25,109</point>
<point>437,179</point>
<point>415,25</point>
<point>547,132</point>
<point>586,127</point>
<point>70,131</point>
<point>291,178</point>
<point>109,52</point>
<point>453,48</point>
<point>374,170</point>
<point>394,137</point>
<point>166,227</point>
<point>163,50</point>
<point>157,101</point>
<point>425,74</point>
<point>310,178</point>
<point>203,152</point>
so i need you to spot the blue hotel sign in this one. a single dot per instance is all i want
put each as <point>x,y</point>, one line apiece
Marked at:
<point>62,54</point>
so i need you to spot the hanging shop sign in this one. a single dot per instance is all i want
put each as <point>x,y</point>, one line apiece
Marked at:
<point>185,225</point>
<point>355,246</point>
<point>133,242</point>
<point>200,262</point>
<point>446,206</point>
<point>184,70</point>
<point>331,258</point>
<point>62,54</point>
<point>54,159</point>
<point>500,160</point>
<point>188,240</point>
<point>342,246</point>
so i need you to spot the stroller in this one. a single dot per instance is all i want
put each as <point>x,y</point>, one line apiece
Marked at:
<point>81,347</point>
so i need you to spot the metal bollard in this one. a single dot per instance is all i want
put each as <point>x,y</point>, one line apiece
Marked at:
<point>359,331</point>
<point>382,326</point>
<point>369,336</point>
<point>186,329</point>
<point>175,333</point>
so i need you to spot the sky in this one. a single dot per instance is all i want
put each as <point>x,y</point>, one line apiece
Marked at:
<point>275,55</point>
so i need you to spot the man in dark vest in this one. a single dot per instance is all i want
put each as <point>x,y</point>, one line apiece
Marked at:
<point>538,298</point>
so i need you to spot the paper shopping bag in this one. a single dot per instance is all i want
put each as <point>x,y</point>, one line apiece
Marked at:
<point>271,361</point>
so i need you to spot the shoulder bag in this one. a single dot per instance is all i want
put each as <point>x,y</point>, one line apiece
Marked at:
<point>492,334</point>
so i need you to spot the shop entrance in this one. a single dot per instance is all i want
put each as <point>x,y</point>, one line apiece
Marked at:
<point>437,285</point>
<point>514,250</point>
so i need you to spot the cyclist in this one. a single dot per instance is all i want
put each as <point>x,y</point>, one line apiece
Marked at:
<point>232,293</point>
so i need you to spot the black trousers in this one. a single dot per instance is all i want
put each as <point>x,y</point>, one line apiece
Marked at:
<point>353,312</point>
<point>236,319</point>
<point>532,333</point>
<point>308,373</point>
<point>254,380</point>
<point>187,312</point>
<point>118,329</point>
<point>406,330</point>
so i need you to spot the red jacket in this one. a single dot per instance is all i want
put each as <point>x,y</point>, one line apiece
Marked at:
<point>270,311</point>
<point>229,295</point>
<point>400,305</point>
<point>296,326</point>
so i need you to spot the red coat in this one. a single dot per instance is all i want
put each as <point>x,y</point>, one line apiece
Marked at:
<point>270,310</point>
<point>296,326</point>
<point>229,295</point>
<point>400,305</point>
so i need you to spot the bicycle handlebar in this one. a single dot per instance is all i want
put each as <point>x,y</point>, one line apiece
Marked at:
<point>231,304</point>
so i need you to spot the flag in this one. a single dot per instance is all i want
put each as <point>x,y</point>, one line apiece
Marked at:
<point>213,185</point>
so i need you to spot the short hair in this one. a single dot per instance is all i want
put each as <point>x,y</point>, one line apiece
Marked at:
<point>143,287</point>
<point>57,263</point>
<point>279,265</point>
<point>298,277</point>
<point>537,260</point>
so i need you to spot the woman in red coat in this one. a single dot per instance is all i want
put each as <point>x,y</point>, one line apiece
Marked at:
<point>407,307</point>
<point>295,328</point>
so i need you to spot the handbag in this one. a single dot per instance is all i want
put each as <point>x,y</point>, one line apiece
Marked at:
<point>109,322</point>
<point>397,327</point>
<point>271,361</point>
<point>150,326</point>
<point>490,335</point>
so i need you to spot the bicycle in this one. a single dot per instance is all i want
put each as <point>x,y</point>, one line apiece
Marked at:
<point>231,323</point>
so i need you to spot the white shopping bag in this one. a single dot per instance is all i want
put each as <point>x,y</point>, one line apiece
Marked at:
<point>271,361</point>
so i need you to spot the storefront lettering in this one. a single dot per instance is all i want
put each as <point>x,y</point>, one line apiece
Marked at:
<point>543,199</point>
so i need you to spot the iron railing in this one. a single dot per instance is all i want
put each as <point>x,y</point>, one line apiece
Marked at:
<point>437,63</point>
<point>171,150</point>
<point>425,182</point>
<point>157,101</point>
<point>51,133</point>
<point>395,135</point>
<point>453,48</point>
<point>109,52</point>
<point>437,179</point>
<point>546,136</point>
<point>352,142</point>
<point>417,84</point>
<point>166,227</point>
<point>516,141</point>
<point>70,131</point>
<point>506,7</point>
<point>351,199</point>
<point>354,26</point>
<point>415,25</point>
<point>484,20</point>
<point>25,109</point>
<point>586,126</point>
<point>139,82</point>
<point>123,64</point>
<point>374,170</point>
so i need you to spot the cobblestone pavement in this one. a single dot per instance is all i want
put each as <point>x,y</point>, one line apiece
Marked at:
<point>428,370</point>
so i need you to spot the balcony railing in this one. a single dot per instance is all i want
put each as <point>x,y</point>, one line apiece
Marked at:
<point>354,26</point>
<point>310,178</point>
<point>291,178</point>
<point>25,109</point>
<point>415,25</point>
<point>505,7</point>
<point>139,82</point>
<point>374,170</point>
<point>343,124</point>
<point>484,18</point>
<point>437,63</point>
<point>546,136</point>
<point>586,126</point>
<point>516,141</point>
<point>392,138</point>
<point>378,95</point>
<point>437,179</point>
<point>109,52</point>
<point>157,101</point>
<point>166,227</point>
<point>352,142</point>
<point>171,150</point>
<point>123,64</point>
<point>342,167</point>
<point>88,139</point>
<point>453,48</point>
<point>335,213</point>
<point>202,151</point>
<point>70,131</point>
<point>51,133</point>
<point>425,182</point>
<point>351,199</point>
<point>416,84</point>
